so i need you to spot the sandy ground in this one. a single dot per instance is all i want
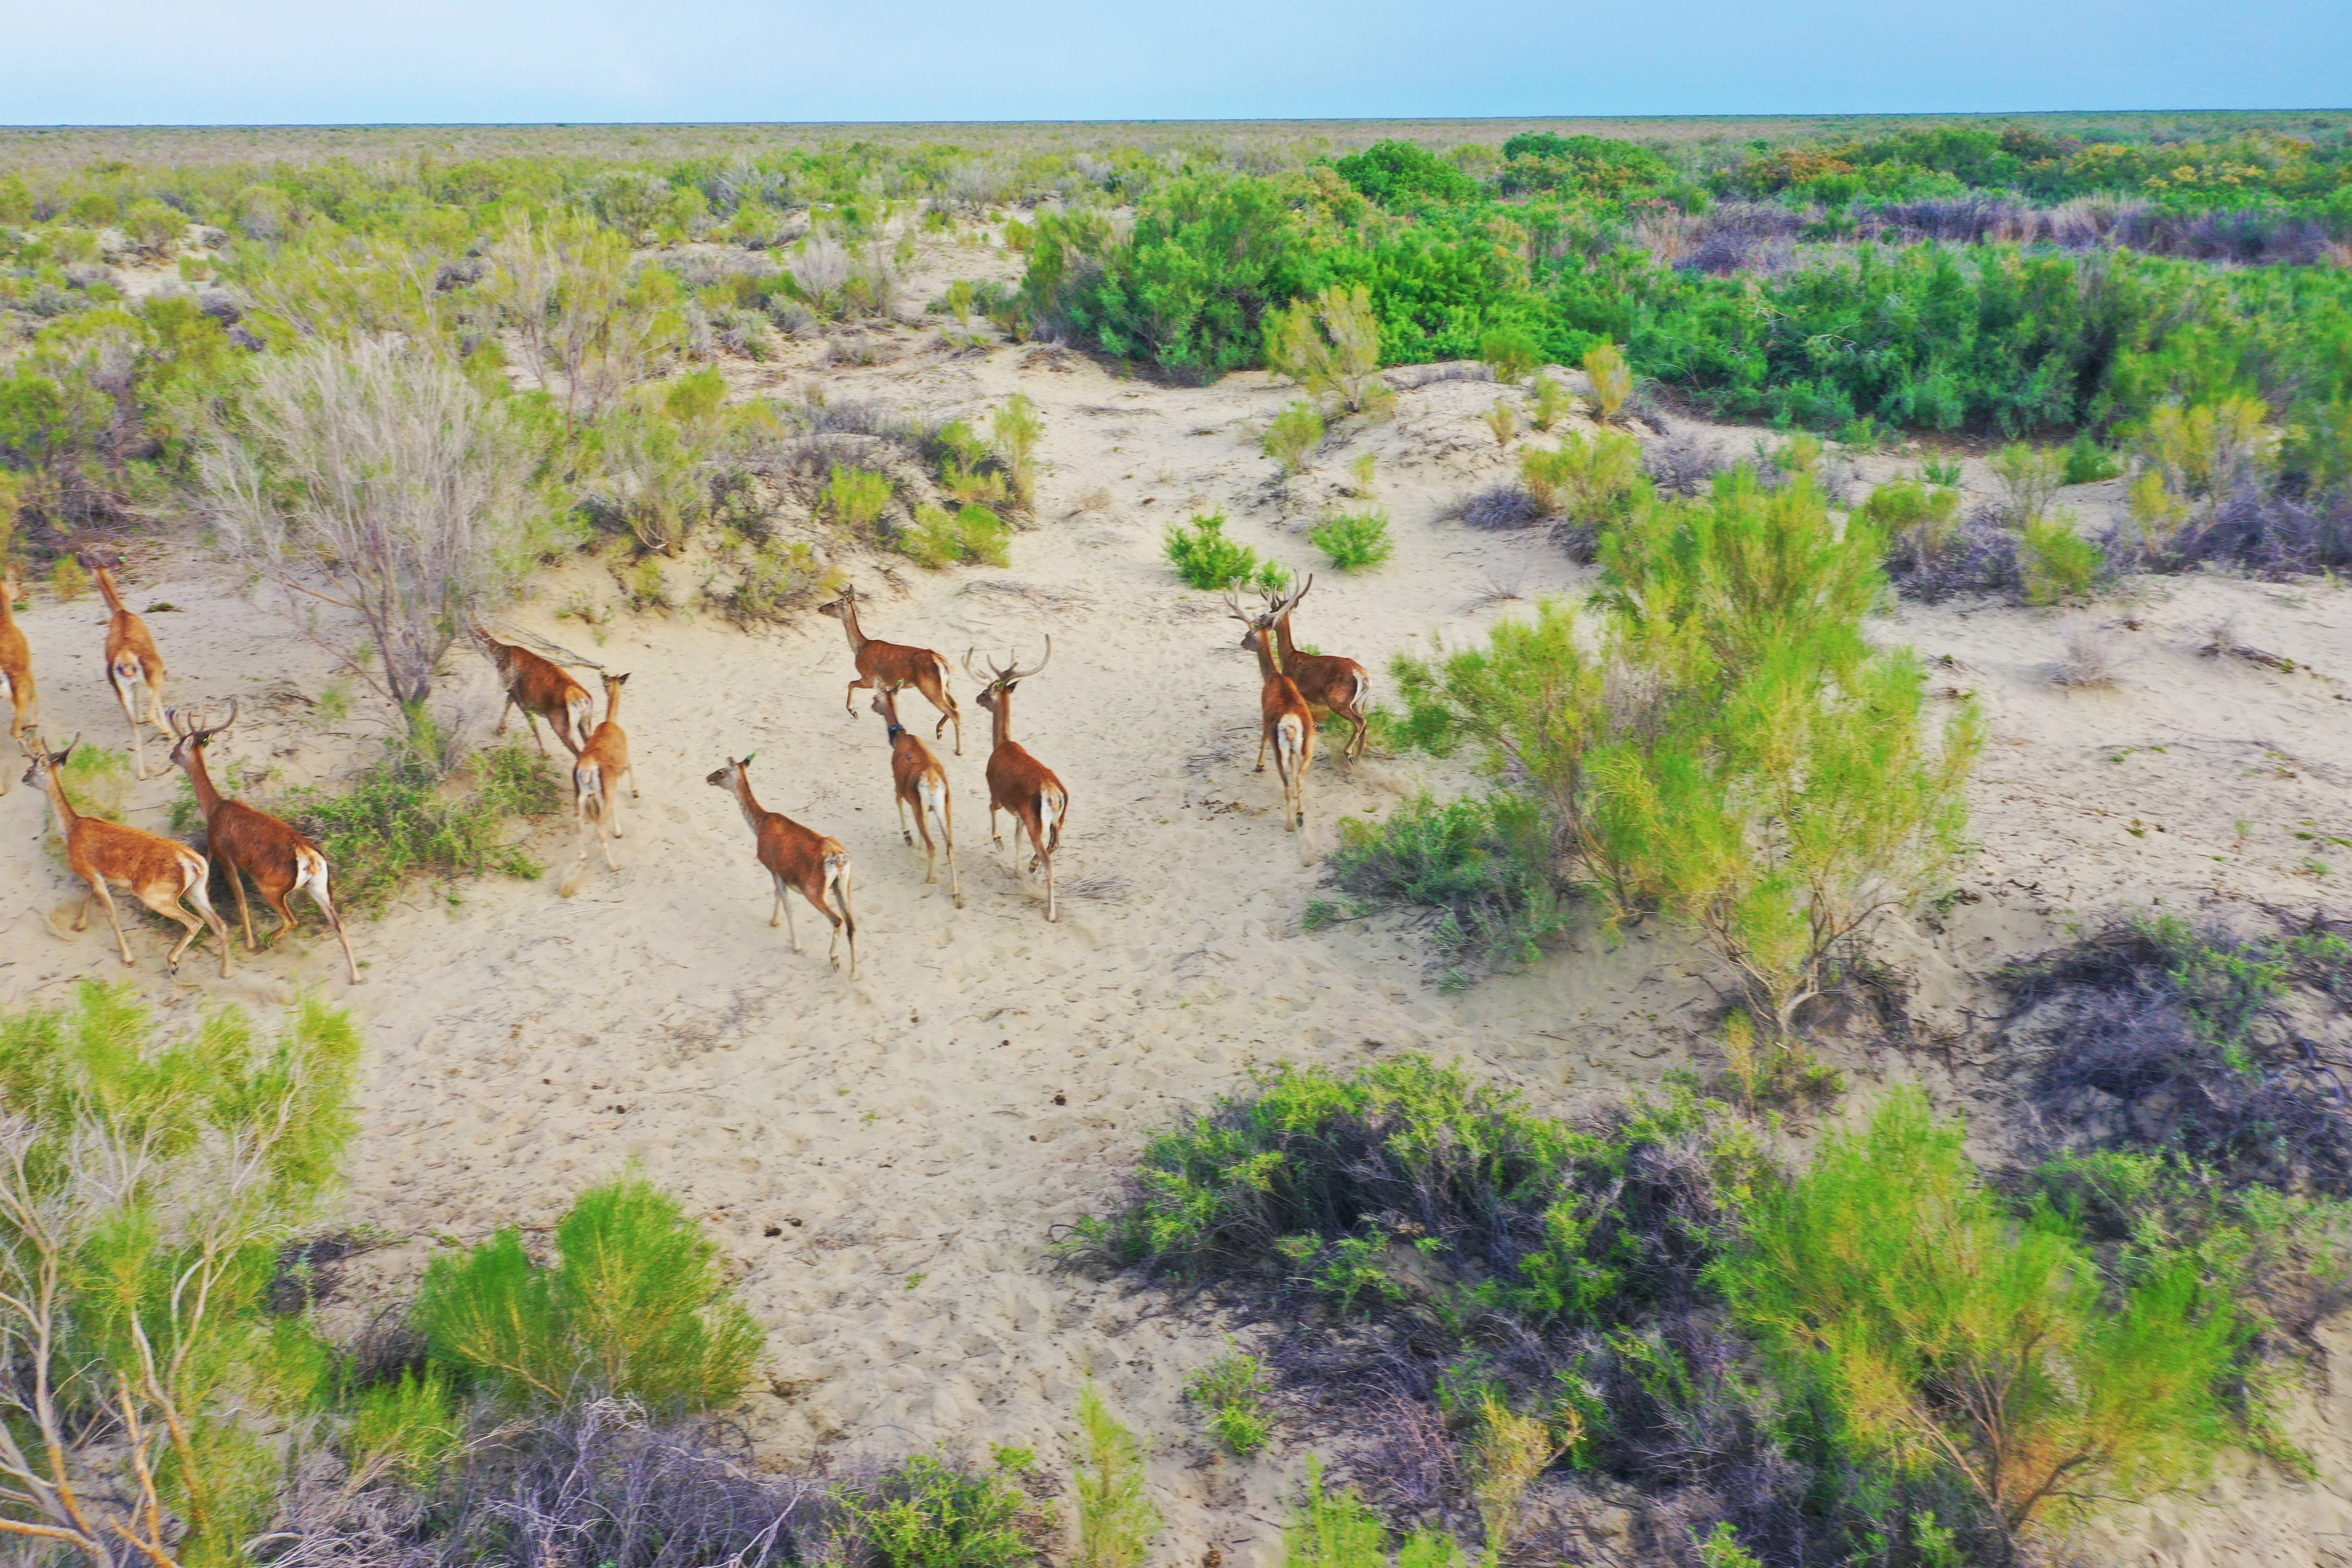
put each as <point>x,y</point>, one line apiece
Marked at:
<point>886,1160</point>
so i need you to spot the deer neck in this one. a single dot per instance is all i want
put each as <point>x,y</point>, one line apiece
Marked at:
<point>849,626</point>
<point>199,776</point>
<point>1269,663</point>
<point>752,811</point>
<point>613,705</point>
<point>1282,637</point>
<point>106,586</point>
<point>67,814</point>
<point>999,723</point>
<point>7,608</point>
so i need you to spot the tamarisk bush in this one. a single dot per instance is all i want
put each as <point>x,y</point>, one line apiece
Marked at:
<point>1711,737</point>
<point>145,1191</point>
<point>1331,346</point>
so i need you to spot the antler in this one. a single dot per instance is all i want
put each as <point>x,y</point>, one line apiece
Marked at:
<point>1013,674</point>
<point>991,679</point>
<point>1278,606</point>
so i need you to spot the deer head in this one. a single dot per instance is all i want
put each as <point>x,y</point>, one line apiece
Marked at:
<point>193,734</point>
<point>1003,678</point>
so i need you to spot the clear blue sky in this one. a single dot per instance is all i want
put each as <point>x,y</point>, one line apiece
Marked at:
<point>326,61</point>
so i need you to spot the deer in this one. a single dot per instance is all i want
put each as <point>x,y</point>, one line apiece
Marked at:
<point>132,660</point>
<point>159,872</point>
<point>1330,683</point>
<point>1017,782</point>
<point>894,665</point>
<point>1288,722</point>
<point>247,842</point>
<point>596,774</point>
<point>15,671</point>
<point>542,690</point>
<point>798,858</point>
<point>919,780</point>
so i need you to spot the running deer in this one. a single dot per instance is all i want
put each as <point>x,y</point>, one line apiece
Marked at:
<point>542,690</point>
<point>1288,722</point>
<point>1330,683</point>
<point>894,665</point>
<point>249,842</point>
<point>131,657</point>
<point>15,672</point>
<point>1017,782</point>
<point>920,781</point>
<point>807,862</point>
<point>596,775</point>
<point>159,872</point>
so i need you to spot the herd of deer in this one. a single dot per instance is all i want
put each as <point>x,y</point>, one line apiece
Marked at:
<point>248,844</point>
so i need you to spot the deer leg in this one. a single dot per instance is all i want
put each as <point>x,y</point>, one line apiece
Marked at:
<point>949,714</point>
<point>539,740</point>
<point>848,922</point>
<point>130,711</point>
<point>278,898</point>
<point>784,905</point>
<point>501,728</point>
<point>317,887</point>
<point>609,818</point>
<point>168,905</point>
<point>114,918</point>
<point>244,910</point>
<point>1052,912</point>
<point>900,802</point>
<point>1263,735</point>
<point>633,783</point>
<point>204,902</point>
<point>946,833</point>
<point>154,684</point>
<point>849,698</point>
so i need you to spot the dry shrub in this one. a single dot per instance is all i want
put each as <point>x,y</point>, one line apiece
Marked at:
<point>2092,658</point>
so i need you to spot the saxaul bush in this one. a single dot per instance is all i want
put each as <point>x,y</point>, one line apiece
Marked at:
<point>1331,346</point>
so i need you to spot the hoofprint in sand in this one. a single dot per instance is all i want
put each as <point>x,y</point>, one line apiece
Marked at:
<point>886,1160</point>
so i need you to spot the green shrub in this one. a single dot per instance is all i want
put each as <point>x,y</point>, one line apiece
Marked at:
<point>1117,1521</point>
<point>1354,539</point>
<point>1920,524</point>
<point>2059,566</point>
<point>1945,471</point>
<point>931,1513</point>
<point>398,821</point>
<point>150,1188</point>
<point>939,539</point>
<point>1514,355</point>
<point>1233,1391</point>
<point>407,1429</point>
<point>1207,560</point>
<point>1014,431</point>
<point>776,580</point>
<point>1331,346</point>
<point>1295,432</point>
<point>2087,462</point>
<point>1554,402</point>
<point>636,1307</point>
<point>1590,480</point>
<point>2028,477</point>
<point>855,499</point>
<point>1888,1283</point>
<point>1483,867</point>
<point>1612,379</point>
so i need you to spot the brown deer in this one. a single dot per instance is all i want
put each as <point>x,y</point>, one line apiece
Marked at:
<point>246,842</point>
<point>920,781</point>
<point>15,672</point>
<point>540,689</point>
<point>1017,782</point>
<point>159,872</point>
<point>807,862</point>
<point>131,657</point>
<point>1330,683</point>
<point>1289,723</point>
<point>596,775</point>
<point>894,665</point>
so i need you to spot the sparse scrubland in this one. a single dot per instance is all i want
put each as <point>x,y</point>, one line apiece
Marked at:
<point>1776,1300</point>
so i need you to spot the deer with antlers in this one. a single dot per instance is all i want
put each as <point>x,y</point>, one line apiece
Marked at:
<point>894,666</point>
<point>246,842</point>
<point>1288,722</point>
<point>1330,683</point>
<point>159,872</point>
<point>796,858</point>
<point>132,660</point>
<point>1017,782</point>
<point>920,781</point>
<point>542,689</point>
<point>596,775</point>
<point>15,671</point>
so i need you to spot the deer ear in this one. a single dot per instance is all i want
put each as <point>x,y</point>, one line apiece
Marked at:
<point>747,759</point>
